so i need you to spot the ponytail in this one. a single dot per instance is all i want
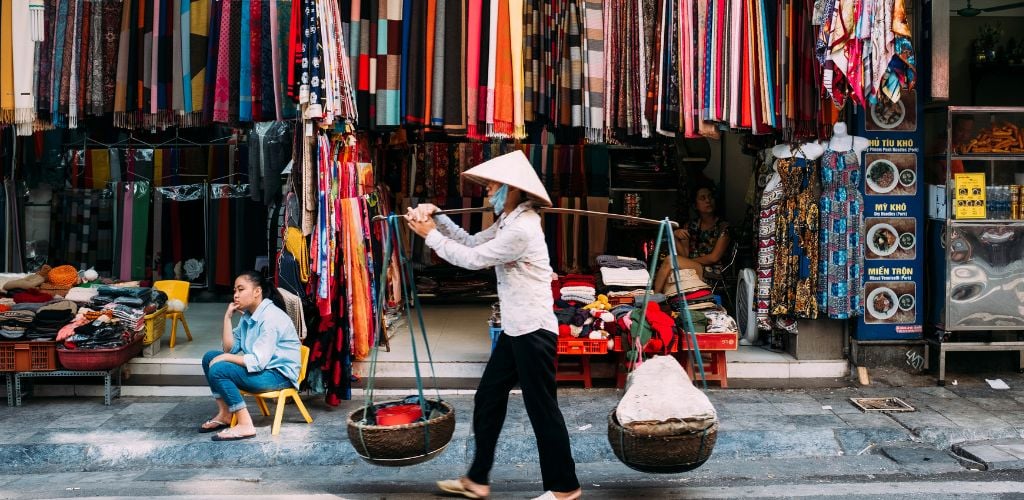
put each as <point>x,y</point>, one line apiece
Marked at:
<point>267,285</point>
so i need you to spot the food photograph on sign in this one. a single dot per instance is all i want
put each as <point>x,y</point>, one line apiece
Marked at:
<point>890,174</point>
<point>890,238</point>
<point>899,116</point>
<point>892,302</point>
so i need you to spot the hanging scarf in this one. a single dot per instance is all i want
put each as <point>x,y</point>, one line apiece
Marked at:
<point>531,57</point>
<point>455,70</point>
<point>593,67</point>
<point>275,99</point>
<point>417,65</point>
<point>472,73</point>
<point>483,97</point>
<point>212,63</point>
<point>260,26</point>
<point>7,61</point>
<point>43,85</point>
<point>437,97</point>
<point>504,92</point>
<point>244,84</point>
<point>23,52</point>
<point>492,50</point>
<point>194,50</point>
<point>121,85</point>
<point>74,76</point>
<point>516,39</point>
<point>221,92</point>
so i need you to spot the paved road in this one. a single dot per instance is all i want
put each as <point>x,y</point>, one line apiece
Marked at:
<point>601,483</point>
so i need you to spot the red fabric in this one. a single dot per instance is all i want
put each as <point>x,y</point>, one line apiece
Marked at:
<point>699,294</point>
<point>662,324</point>
<point>4,308</point>
<point>564,331</point>
<point>31,297</point>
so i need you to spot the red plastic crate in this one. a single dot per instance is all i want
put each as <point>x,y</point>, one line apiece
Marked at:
<point>28,356</point>
<point>714,341</point>
<point>582,346</point>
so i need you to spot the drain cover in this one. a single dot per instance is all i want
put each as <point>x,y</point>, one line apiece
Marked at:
<point>881,404</point>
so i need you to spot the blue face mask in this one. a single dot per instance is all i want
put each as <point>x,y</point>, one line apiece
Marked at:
<point>498,199</point>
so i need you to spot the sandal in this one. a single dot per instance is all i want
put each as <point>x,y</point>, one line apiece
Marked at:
<point>218,425</point>
<point>549,495</point>
<point>455,487</point>
<point>231,435</point>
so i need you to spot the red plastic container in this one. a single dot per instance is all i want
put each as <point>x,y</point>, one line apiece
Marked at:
<point>99,359</point>
<point>399,414</point>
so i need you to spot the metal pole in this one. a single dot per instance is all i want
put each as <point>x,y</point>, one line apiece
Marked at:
<point>557,211</point>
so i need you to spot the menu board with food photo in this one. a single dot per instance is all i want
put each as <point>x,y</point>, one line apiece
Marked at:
<point>890,238</point>
<point>893,174</point>
<point>893,302</point>
<point>893,221</point>
<point>899,116</point>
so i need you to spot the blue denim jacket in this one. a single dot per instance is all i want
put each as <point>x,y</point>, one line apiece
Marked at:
<point>267,340</point>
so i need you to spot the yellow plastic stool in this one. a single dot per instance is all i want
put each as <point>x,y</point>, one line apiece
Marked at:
<point>282,397</point>
<point>175,289</point>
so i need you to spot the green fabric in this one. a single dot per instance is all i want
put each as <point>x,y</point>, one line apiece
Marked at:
<point>700,321</point>
<point>140,228</point>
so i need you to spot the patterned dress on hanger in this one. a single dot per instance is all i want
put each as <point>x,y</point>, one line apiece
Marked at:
<point>839,290</point>
<point>766,227</point>
<point>795,277</point>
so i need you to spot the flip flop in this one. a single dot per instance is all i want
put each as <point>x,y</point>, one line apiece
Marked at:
<point>455,487</point>
<point>220,425</point>
<point>549,495</point>
<point>231,435</point>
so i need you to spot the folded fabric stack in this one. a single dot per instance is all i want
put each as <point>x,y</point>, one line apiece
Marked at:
<point>30,282</point>
<point>15,325</point>
<point>82,295</point>
<point>634,296</point>
<point>714,319</point>
<point>102,333</point>
<point>50,318</point>
<point>129,304</point>
<point>624,277</point>
<point>577,288</point>
<point>696,292</point>
<point>616,261</point>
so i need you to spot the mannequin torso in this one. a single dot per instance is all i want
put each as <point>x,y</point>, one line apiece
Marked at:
<point>810,151</point>
<point>843,141</point>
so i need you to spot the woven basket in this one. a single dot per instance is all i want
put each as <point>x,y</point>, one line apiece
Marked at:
<point>401,445</point>
<point>661,454</point>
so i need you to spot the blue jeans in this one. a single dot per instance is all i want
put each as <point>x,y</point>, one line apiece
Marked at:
<point>226,378</point>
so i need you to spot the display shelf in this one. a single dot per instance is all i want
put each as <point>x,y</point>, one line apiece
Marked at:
<point>984,257</point>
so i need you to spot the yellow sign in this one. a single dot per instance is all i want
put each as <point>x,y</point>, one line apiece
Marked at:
<point>969,198</point>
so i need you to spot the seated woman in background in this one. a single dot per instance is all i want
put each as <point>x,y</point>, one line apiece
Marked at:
<point>260,354</point>
<point>707,236</point>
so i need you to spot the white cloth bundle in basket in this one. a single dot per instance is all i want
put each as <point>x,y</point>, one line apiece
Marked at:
<point>660,400</point>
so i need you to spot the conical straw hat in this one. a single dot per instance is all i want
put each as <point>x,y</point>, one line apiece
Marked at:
<point>512,169</point>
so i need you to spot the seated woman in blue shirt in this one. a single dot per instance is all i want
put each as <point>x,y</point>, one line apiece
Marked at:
<point>260,354</point>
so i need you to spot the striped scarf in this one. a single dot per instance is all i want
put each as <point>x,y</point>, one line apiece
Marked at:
<point>6,61</point>
<point>593,67</point>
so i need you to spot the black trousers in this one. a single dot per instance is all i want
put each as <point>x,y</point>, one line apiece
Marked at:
<point>529,360</point>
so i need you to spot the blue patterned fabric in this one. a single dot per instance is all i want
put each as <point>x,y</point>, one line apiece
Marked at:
<point>842,255</point>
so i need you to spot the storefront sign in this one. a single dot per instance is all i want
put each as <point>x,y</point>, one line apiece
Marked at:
<point>969,196</point>
<point>893,272</point>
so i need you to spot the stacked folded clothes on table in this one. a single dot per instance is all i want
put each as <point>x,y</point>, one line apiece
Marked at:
<point>50,318</point>
<point>15,325</point>
<point>82,295</point>
<point>616,261</point>
<point>129,304</point>
<point>577,288</point>
<point>624,277</point>
<point>690,287</point>
<point>714,319</point>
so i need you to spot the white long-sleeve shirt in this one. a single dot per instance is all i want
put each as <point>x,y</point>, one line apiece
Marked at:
<point>515,247</point>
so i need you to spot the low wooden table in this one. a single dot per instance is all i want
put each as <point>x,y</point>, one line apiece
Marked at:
<point>713,347</point>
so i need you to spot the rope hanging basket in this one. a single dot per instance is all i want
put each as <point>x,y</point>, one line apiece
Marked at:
<point>661,454</point>
<point>402,445</point>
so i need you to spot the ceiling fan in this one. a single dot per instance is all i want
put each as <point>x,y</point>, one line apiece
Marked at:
<point>970,11</point>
